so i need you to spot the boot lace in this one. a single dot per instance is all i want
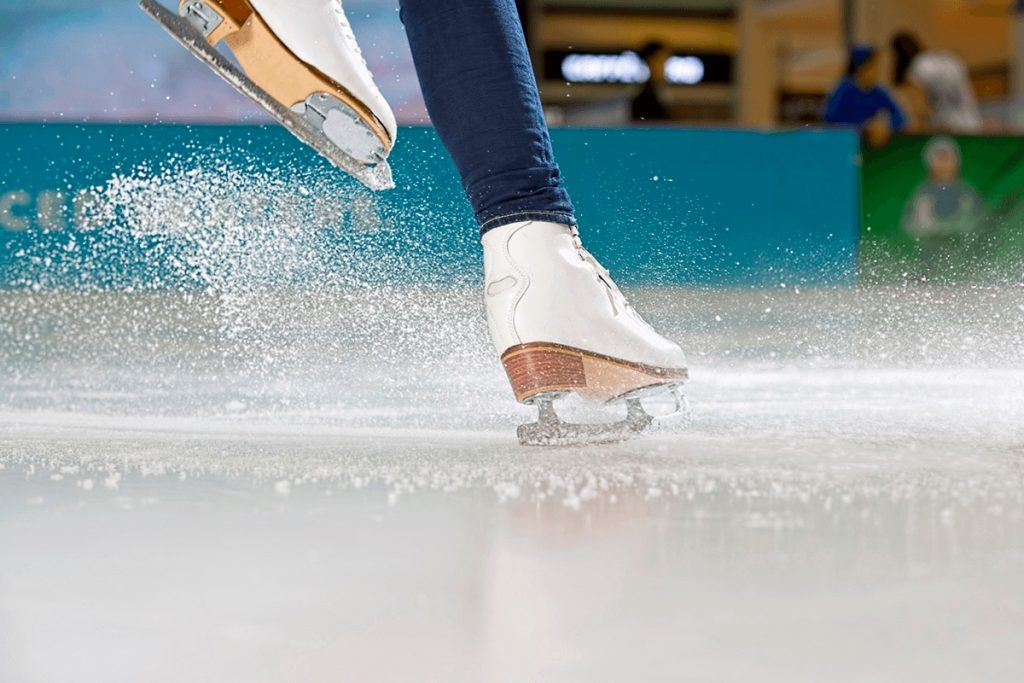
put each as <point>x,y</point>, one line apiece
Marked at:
<point>347,33</point>
<point>616,298</point>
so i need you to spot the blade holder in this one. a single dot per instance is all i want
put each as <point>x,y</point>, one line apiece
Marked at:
<point>203,17</point>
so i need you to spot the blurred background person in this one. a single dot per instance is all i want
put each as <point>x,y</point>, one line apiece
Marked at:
<point>936,86</point>
<point>945,215</point>
<point>860,99</point>
<point>649,105</point>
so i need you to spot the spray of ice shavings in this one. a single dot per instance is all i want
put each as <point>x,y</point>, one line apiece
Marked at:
<point>267,285</point>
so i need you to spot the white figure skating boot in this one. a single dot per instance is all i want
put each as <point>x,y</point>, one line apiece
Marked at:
<point>562,326</point>
<point>301,62</point>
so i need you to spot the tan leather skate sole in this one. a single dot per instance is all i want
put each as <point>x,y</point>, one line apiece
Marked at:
<point>541,367</point>
<point>275,68</point>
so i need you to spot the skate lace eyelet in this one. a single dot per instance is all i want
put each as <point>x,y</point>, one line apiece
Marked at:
<point>347,33</point>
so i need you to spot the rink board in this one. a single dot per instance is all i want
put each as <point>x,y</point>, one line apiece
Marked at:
<point>657,206</point>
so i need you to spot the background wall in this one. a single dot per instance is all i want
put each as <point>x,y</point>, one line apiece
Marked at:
<point>160,206</point>
<point>104,205</point>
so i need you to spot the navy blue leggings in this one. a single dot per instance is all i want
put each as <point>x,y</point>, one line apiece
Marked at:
<point>480,91</point>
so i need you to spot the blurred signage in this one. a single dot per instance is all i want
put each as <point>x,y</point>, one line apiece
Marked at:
<point>627,67</point>
<point>943,209</point>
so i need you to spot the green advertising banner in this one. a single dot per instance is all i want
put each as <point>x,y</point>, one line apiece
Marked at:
<point>944,209</point>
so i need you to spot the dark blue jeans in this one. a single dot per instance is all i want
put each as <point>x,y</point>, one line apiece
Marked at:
<point>480,91</point>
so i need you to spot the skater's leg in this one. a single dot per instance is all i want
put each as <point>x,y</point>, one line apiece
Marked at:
<point>479,87</point>
<point>556,318</point>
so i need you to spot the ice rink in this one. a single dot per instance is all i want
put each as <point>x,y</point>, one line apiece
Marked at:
<point>276,485</point>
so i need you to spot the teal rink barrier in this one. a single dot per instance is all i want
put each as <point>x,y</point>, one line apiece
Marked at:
<point>657,206</point>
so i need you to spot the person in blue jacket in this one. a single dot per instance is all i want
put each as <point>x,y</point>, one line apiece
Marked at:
<point>860,100</point>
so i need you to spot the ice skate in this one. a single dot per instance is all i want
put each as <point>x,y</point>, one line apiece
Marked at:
<point>301,63</point>
<point>562,326</point>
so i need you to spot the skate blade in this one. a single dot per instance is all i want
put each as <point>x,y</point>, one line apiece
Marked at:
<point>375,176</point>
<point>551,431</point>
<point>667,405</point>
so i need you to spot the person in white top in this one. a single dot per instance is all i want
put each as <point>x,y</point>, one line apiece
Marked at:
<point>937,85</point>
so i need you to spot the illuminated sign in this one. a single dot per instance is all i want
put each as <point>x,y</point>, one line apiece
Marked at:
<point>624,68</point>
<point>627,67</point>
<point>684,70</point>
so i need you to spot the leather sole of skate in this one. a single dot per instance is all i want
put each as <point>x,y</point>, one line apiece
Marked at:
<point>541,372</point>
<point>317,110</point>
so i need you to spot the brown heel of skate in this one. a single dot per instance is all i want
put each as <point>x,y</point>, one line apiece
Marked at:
<point>539,368</point>
<point>541,372</point>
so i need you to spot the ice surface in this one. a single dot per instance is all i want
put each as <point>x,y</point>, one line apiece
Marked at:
<point>256,484</point>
